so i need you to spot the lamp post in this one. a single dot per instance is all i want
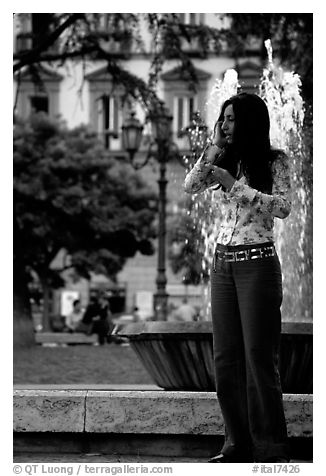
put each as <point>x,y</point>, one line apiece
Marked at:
<point>161,129</point>
<point>160,121</point>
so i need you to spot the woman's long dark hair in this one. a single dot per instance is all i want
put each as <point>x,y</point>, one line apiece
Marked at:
<point>250,142</point>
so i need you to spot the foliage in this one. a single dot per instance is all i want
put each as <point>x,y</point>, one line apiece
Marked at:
<point>68,193</point>
<point>186,248</point>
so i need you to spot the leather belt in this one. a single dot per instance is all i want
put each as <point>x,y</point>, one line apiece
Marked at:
<point>245,255</point>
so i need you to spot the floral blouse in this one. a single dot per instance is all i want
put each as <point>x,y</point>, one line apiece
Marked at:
<point>247,214</point>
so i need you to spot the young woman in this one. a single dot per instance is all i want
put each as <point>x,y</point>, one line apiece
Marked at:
<point>253,187</point>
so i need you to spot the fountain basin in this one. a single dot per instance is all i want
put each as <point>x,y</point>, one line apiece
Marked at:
<point>179,355</point>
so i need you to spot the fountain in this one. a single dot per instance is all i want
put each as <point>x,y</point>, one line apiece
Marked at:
<point>180,355</point>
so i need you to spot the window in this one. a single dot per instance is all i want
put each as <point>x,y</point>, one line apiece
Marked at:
<point>40,26</point>
<point>39,103</point>
<point>115,32</point>
<point>108,118</point>
<point>182,102</point>
<point>106,109</point>
<point>249,74</point>
<point>40,96</point>
<point>184,106</point>
<point>23,42</point>
<point>34,28</point>
<point>191,18</point>
<point>193,46</point>
<point>104,22</point>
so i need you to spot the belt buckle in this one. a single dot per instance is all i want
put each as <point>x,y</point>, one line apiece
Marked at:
<point>244,258</point>
<point>264,252</point>
<point>219,255</point>
<point>267,251</point>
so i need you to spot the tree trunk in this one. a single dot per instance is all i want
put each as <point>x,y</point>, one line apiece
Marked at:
<point>23,332</point>
<point>46,305</point>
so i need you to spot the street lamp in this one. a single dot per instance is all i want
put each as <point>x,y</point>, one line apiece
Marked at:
<point>197,133</point>
<point>160,121</point>
<point>132,131</point>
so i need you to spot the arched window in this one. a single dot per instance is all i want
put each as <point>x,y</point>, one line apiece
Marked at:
<point>106,110</point>
<point>182,101</point>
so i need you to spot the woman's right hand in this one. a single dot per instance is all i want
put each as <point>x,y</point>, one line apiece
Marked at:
<point>219,138</point>
<point>218,142</point>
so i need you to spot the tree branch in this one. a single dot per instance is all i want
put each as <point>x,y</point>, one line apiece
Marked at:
<point>33,56</point>
<point>49,57</point>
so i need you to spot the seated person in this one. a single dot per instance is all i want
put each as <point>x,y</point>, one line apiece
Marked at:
<point>73,319</point>
<point>98,319</point>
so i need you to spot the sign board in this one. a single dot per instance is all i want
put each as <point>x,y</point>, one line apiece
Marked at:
<point>144,302</point>
<point>67,298</point>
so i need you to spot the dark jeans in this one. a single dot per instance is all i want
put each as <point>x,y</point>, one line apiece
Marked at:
<point>103,329</point>
<point>246,297</point>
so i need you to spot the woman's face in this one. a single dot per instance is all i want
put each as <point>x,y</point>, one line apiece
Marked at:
<point>228,123</point>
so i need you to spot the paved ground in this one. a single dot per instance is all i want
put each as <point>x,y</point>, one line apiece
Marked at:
<point>97,458</point>
<point>100,458</point>
<point>87,386</point>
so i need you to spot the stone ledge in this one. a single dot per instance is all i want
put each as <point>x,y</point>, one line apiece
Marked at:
<point>138,412</point>
<point>64,338</point>
<point>49,410</point>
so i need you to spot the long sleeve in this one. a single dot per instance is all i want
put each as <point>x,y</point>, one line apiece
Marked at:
<point>199,178</point>
<point>278,204</point>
